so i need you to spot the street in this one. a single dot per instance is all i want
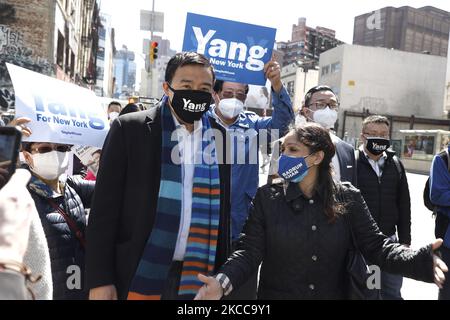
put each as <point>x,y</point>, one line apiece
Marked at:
<point>422,233</point>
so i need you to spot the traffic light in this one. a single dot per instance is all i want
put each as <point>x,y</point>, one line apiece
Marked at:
<point>153,51</point>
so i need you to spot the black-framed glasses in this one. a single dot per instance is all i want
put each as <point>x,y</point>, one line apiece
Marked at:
<point>323,105</point>
<point>47,149</point>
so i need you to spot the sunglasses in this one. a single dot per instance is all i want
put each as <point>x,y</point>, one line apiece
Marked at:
<point>47,149</point>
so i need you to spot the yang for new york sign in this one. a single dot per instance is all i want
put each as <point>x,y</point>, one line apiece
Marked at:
<point>60,112</point>
<point>238,51</point>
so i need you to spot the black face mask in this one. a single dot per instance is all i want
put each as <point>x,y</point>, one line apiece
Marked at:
<point>190,105</point>
<point>377,146</point>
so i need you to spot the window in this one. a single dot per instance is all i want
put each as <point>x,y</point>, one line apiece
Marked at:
<point>100,73</point>
<point>291,88</point>
<point>67,63</point>
<point>72,64</point>
<point>336,67</point>
<point>325,70</point>
<point>419,147</point>
<point>60,50</point>
<point>101,53</point>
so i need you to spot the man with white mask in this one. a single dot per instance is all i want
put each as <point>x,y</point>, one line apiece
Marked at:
<point>61,202</point>
<point>321,106</point>
<point>114,109</point>
<point>244,132</point>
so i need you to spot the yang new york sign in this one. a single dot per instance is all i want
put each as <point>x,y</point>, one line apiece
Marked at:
<point>238,51</point>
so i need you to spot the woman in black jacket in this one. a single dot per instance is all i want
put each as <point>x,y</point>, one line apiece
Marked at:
<point>61,202</point>
<point>300,231</point>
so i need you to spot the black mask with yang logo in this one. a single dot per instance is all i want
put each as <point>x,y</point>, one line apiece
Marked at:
<point>190,105</point>
<point>377,146</point>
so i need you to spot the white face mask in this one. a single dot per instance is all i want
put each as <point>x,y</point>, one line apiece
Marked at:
<point>300,120</point>
<point>230,108</point>
<point>113,116</point>
<point>325,117</point>
<point>50,165</point>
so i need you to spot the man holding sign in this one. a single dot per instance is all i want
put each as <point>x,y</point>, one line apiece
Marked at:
<point>243,131</point>
<point>229,114</point>
<point>240,53</point>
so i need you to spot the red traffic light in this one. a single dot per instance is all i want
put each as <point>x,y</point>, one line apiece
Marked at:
<point>153,51</point>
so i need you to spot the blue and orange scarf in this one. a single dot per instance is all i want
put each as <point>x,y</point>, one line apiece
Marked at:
<point>151,275</point>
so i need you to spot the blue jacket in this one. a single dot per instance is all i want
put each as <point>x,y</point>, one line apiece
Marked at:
<point>440,190</point>
<point>245,170</point>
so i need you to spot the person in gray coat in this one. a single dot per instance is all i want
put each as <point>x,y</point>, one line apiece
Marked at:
<point>16,211</point>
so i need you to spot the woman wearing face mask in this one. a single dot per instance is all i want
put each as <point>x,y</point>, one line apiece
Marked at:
<point>60,201</point>
<point>301,232</point>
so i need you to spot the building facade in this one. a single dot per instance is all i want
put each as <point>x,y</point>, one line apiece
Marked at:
<point>151,82</point>
<point>383,81</point>
<point>307,43</point>
<point>105,59</point>
<point>58,38</point>
<point>125,73</point>
<point>408,29</point>
<point>297,80</point>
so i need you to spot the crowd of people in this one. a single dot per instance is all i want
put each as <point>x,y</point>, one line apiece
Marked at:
<point>172,209</point>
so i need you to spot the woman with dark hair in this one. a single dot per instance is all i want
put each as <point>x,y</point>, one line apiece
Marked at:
<point>129,108</point>
<point>301,231</point>
<point>60,201</point>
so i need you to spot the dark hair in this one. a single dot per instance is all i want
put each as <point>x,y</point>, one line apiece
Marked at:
<point>218,86</point>
<point>318,139</point>
<point>313,90</point>
<point>114,103</point>
<point>129,108</point>
<point>186,59</point>
<point>375,119</point>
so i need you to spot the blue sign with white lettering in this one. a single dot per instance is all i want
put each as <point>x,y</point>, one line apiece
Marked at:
<point>238,51</point>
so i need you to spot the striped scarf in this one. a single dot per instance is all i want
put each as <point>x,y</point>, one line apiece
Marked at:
<point>150,278</point>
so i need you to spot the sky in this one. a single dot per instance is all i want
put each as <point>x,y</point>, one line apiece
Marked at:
<point>280,14</point>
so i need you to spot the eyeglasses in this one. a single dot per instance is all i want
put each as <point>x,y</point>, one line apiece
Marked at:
<point>323,105</point>
<point>47,149</point>
<point>230,94</point>
<point>376,135</point>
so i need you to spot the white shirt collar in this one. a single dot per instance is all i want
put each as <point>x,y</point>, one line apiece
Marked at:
<point>197,124</point>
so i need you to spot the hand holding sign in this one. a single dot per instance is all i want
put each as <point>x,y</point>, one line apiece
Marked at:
<point>238,51</point>
<point>272,71</point>
<point>21,124</point>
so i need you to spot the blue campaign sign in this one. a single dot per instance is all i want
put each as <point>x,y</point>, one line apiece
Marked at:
<point>238,51</point>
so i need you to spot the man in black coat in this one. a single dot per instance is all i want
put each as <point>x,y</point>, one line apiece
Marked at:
<point>126,196</point>
<point>383,184</point>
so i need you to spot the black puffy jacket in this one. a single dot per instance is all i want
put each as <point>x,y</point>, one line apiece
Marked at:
<point>65,248</point>
<point>303,255</point>
<point>387,197</point>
